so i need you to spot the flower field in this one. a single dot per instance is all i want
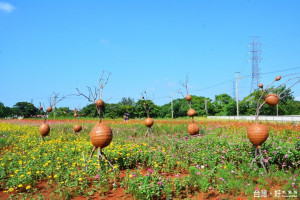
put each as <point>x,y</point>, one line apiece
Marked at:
<point>170,164</point>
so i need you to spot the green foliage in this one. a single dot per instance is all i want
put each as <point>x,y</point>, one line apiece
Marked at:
<point>24,109</point>
<point>5,111</point>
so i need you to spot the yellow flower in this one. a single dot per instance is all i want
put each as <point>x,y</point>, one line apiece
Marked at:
<point>80,179</point>
<point>2,164</point>
<point>156,165</point>
<point>22,176</point>
<point>225,166</point>
<point>20,185</point>
<point>11,189</point>
<point>55,176</point>
<point>12,175</point>
<point>130,175</point>
<point>28,173</point>
<point>37,172</point>
<point>28,187</point>
<point>115,166</point>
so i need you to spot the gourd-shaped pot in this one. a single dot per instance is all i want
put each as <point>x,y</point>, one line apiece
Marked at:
<point>44,129</point>
<point>191,112</point>
<point>193,129</point>
<point>77,128</point>
<point>149,122</point>
<point>101,135</point>
<point>99,103</point>
<point>258,134</point>
<point>188,97</point>
<point>49,109</point>
<point>271,99</point>
<point>76,115</point>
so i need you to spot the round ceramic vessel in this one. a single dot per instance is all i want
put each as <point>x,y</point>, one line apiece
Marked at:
<point>258,134</point>
<point>101,135</point>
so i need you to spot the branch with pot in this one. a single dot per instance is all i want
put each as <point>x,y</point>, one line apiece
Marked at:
<point>101,134</point>
<point>258,133</point>
<point>193,128</point>
<point>148,121</point>
<point>44,127</point>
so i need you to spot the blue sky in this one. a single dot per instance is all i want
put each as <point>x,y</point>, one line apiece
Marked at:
<point>58,46</point>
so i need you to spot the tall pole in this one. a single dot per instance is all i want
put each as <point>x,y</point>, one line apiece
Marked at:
<point>172,111</point>
<point>277,109</point>
<point>237,77</point>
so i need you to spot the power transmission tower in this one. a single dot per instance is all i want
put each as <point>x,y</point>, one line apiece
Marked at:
<point>255,58</point>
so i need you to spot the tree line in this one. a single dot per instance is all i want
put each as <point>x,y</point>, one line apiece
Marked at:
<point>222,105</point>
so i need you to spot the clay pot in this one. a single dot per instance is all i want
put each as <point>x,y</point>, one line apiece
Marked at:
<point>77,128</point>
<point>99,103</point>
<point>188,97</point>
<point>193,129</point>
<point>191,112</point>
<point>76,110</point>
<point>82,114</point>
<point>271,99</point>
<point>101,135</point>
<point>44,129</point>
<point>258,134</point>
<point>49,109</point>
<point>149,122</point>
<point>41,108</point>
<point>261,85</point>
<point>76,115</point>
<point>278,78</point>
<point>64,112</point>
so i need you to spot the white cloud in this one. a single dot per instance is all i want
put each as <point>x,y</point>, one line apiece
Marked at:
<point>105,42</point>
<point>7,7</point>
<point>297,98</point>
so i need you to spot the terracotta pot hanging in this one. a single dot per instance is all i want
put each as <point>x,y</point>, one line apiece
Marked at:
<point>101,135</point>
<point>191,112</point>
<point>149,122</point>
<point>49,109</point>
<point>44,129</point>
<point>41,108</point>
<point>278,78</point>
<point>188,97</point>
<point>76,115</point>
<point>271,99</point>
<point>193,129</point>
<point>258,134</point>
<point>99,103</point>
<point>77,128</point>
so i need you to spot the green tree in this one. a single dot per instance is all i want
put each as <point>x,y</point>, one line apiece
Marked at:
<point>224,105</point>
<point>62,112</point>
<point>25,109</point>
<point>127,101</point>
<point>89,110</point>
<point>286,106</point>
<point>140,111</point>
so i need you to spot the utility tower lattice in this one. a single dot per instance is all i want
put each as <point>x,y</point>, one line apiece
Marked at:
<point>255,58</point>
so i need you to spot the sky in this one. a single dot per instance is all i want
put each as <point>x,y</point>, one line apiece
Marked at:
<point>57,46</point>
